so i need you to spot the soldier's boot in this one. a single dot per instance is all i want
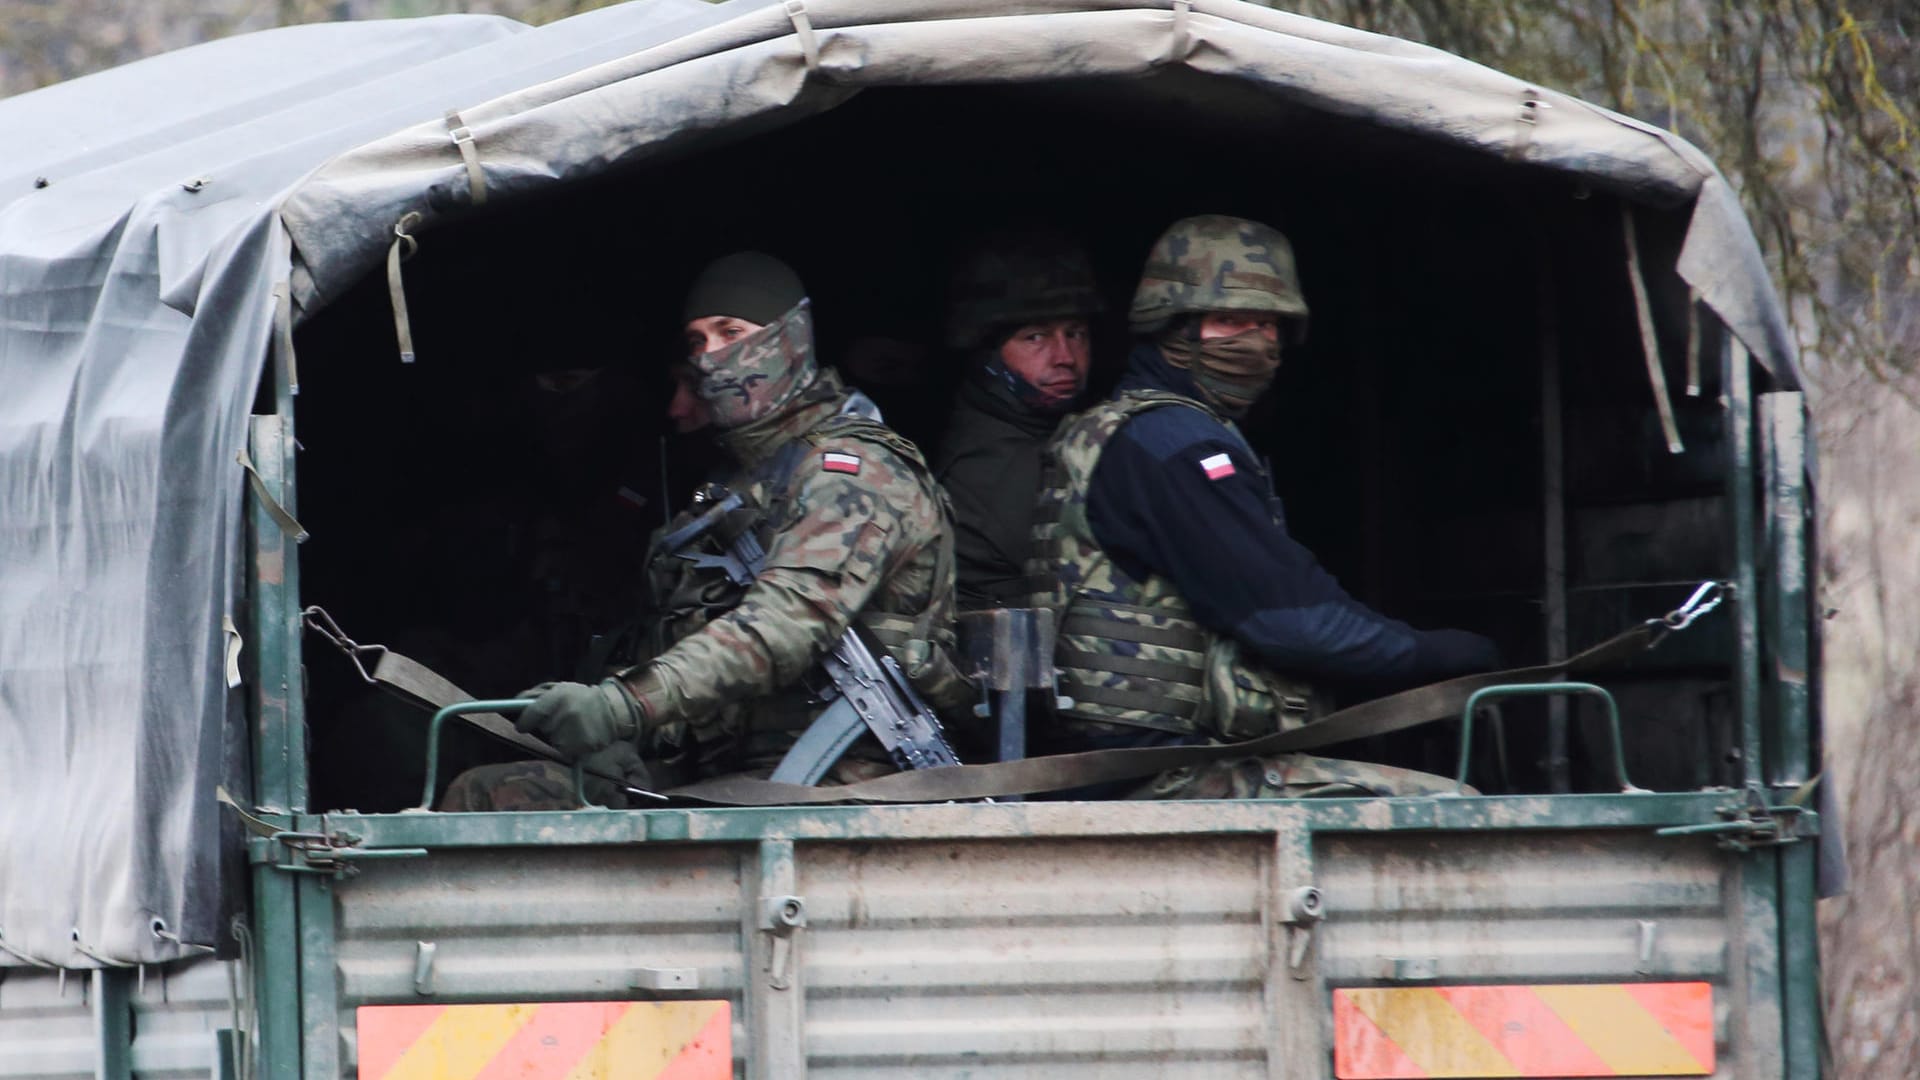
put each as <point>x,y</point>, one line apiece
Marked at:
<point>1292,776</point>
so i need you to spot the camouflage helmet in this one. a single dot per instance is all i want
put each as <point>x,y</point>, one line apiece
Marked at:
<point>1015,277</point>
<point>1218,263</point>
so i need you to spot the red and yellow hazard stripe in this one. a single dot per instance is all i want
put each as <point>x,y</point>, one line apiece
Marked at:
<point>599,1040</point>
<point>1623,1029</point>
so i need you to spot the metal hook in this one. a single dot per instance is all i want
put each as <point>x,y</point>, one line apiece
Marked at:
<point>1704,599</point>
<point>317,619</point>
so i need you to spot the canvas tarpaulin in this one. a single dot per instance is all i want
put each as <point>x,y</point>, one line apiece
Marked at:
<point>139,305</point>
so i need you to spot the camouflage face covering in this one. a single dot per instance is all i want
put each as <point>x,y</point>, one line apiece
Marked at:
<point>1230,372</point>
<point>760,374</point>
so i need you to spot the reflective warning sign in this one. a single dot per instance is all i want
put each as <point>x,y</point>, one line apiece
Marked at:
<point>1621,1029</point>
<point>600,1040</point>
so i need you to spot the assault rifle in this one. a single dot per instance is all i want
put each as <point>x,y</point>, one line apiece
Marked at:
<point>869,691</point>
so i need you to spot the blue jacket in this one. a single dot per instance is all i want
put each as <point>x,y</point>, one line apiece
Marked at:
<point>1179,494</point>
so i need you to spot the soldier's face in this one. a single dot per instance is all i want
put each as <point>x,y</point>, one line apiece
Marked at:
<point>1219,324</point>
<point>1053,357</point>
<point>712,332</point>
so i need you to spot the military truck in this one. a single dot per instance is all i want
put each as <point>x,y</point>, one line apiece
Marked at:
<point>337,344</point>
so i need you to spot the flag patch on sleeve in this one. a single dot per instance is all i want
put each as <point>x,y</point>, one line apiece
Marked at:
<point>1217,467</point>
<point>846,463</point>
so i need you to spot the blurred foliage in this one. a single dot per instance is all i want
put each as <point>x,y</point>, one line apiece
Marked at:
<point>1811,107</point>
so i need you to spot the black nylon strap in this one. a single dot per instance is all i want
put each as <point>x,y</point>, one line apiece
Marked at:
<point>1382,716</point>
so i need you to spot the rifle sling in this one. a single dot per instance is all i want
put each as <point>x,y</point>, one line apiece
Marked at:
<point>1382,716</point>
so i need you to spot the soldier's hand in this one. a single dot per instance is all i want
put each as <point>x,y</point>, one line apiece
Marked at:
<point>1462,652</point>
<point>577,719</point>
<point>611,771</point>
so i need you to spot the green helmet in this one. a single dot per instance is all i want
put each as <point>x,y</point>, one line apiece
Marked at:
<point>1218,263</point>
<point>1013,278</point>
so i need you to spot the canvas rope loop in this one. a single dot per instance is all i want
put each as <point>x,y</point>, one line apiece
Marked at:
<point>22,954</point>
<point>1529,119</point>
<point>1182,30</point>
<point>403,248</point>
<point>1649,341</point>
<point>803,29</point>
<point>287,522</point>
<point>283,335</point>
<point>1693,342</point>
<point>470,154</point>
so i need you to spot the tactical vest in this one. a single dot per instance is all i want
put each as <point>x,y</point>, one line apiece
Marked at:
<point>1130,653</point>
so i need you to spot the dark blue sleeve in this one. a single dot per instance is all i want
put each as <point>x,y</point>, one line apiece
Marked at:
<point>1175,493</point>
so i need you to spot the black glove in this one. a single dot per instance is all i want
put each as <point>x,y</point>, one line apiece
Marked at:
<point>1449,653</point>
<point>577,719</point>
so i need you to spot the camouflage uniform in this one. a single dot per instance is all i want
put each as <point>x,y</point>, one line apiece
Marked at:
<point>853,526</point>
<point>1138,664</point>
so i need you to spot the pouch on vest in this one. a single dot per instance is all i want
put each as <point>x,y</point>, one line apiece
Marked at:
<point>1246,700</point>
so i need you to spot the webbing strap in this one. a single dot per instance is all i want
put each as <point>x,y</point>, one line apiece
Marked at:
<point>417,680</point>
<point>403,247</point>
<point>1649,340</point>
<point>283,336</point>
<point>1162,670</point>
<point>1139,700</point>
<point>1382,716</point>
<point>470,155</point>
<point>1115,630</point>
<point>287,522</point>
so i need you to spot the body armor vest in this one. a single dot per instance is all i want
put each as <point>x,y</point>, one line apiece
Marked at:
<point>1130,653</point>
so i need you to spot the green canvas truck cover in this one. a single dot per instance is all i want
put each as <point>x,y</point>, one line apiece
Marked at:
<point>155,220</point>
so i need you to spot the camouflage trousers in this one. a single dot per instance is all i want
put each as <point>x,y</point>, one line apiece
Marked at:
<point>1292,776</point>
<point>546,785</point>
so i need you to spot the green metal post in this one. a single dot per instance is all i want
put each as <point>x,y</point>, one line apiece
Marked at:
<point>319,979</point>
<point>280,766</point>
<point>113,1024</point>
<point>1789,634</point>
<point>1740,507</point>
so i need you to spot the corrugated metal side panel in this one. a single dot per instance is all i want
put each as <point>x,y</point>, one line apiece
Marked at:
<point>1036,958</point>
<point>50,1035</point>
<point>175,1018</point>
<point>1407,909</point>
<point>533,925</point>
<point>43,1032</point>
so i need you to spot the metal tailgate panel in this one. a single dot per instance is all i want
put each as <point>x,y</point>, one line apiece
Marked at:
<point>1047,957</point>
<point>1520,908</point>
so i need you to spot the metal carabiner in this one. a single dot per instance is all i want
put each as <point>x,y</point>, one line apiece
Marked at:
<point>317,619</point>
<point>1704,599</point>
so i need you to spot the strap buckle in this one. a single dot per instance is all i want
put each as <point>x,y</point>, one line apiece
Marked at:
<point>317,620</point>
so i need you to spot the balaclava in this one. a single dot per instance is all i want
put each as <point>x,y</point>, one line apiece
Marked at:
<point>762,373</point>
<point>1230,372</point>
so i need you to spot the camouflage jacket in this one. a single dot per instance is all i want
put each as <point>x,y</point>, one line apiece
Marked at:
<point>855,527</point>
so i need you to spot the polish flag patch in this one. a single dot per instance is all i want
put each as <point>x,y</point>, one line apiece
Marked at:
<point>1217,467</point>
<point>845,463</point>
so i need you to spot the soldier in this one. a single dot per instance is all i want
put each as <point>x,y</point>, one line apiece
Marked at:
<point>1018,313</point>
<point>1188,614</point>
<point>853,526</point>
